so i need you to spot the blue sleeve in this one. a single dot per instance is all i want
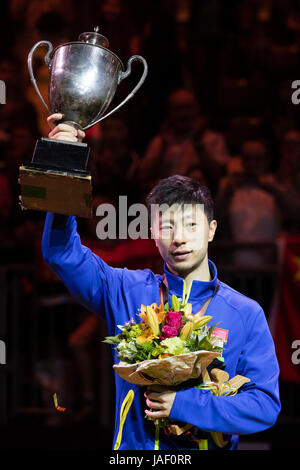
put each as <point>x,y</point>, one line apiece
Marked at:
<point>257,405</point>
<point>88,278</point>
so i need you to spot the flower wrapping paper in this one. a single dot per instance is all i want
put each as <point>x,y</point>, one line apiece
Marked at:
<point>170,371</point>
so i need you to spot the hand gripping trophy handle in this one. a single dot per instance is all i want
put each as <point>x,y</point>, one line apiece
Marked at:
<point>122,76</point>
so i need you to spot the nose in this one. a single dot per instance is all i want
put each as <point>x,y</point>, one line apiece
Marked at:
<point>178,236</point>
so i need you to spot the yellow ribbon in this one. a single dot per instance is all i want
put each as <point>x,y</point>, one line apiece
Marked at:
<point>202,444</point>
<point>185,296</point>
<point>55,400</point>
<point>156,442</point>
<point>217,391</point>
<point>123,414</point>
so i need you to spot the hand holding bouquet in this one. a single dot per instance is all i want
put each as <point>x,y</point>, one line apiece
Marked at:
<point>170,346</point>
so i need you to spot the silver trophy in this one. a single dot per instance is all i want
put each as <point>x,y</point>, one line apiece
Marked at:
<point>84,76</point>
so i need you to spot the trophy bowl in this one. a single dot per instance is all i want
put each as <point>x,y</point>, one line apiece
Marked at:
<point>84,76</point>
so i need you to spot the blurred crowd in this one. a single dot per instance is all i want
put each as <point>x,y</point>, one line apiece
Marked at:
<point>216,106</point>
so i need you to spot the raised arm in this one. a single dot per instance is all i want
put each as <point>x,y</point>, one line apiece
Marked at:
<point>89,279</point>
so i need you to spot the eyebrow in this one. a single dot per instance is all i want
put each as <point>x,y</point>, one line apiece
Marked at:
<point>171,218</point>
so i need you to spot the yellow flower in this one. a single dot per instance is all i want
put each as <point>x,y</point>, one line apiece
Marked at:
<point>147,335</point>
<point>201,321</point>
<point>186,331</point>
<point>153,320</point>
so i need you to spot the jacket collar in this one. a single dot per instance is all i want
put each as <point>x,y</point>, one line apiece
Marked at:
<point>198,289</point>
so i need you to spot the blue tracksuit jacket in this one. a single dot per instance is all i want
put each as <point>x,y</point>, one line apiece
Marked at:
<point>116,295</point>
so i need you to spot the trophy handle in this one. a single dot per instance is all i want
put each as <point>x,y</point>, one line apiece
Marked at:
<point>47,62</point>
<point>123,75</point>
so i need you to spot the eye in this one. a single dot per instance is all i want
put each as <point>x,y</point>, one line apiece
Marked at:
<point>191,224</point>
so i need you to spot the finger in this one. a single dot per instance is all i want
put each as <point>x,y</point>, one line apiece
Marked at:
<point>63,127</point>
<point>64,136</point>
<point>154,404</point>
<point>81,134</point>
<point>157,414</point>
<point>53,118</point>
<point>154,396</point>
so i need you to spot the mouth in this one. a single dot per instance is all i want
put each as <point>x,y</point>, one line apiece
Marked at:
<point>180,255</point>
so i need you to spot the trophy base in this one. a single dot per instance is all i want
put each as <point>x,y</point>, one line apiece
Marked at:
<point>61,192</point>
<point>56,180</point>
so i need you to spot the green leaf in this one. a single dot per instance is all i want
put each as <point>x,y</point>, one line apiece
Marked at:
<point>211,329</point>
<point>112,340</point>
<point>205,344</point>
<point>132,347</point>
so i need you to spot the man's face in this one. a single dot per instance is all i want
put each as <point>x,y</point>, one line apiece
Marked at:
<point>181,234</point>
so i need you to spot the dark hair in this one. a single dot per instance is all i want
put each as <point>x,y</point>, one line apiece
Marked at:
<point>179,189</point>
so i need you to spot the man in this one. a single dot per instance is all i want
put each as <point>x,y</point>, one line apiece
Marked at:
<point>250,213</point>
<point>173,150</point>
<point>182,238</point>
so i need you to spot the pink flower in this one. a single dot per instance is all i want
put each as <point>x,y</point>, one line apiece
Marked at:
<point>168,332</point>
<point>174,319</point>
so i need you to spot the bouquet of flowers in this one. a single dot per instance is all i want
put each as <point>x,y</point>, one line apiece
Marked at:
<point>168,346</point>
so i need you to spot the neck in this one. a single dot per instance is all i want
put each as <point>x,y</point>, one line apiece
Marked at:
<point>201,273</point>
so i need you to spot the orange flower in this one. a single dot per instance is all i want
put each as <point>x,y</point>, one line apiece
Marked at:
<point>160,312</point>
<point>143,314</point>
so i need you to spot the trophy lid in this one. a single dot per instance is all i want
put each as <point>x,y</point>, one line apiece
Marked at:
<point>94,38</point>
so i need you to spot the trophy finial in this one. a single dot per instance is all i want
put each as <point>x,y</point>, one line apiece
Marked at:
<point>94,38</point>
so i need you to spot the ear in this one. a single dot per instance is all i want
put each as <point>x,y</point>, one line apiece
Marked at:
<point>212,229</point>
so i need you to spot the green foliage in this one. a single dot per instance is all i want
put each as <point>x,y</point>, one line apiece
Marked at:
<point>211,329</point>
<point>112,339</point>
<point>184,320</point>
<point>158,350</point>
<point>144,350</point>
<point>175,346</point>
<point>134,331</point>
